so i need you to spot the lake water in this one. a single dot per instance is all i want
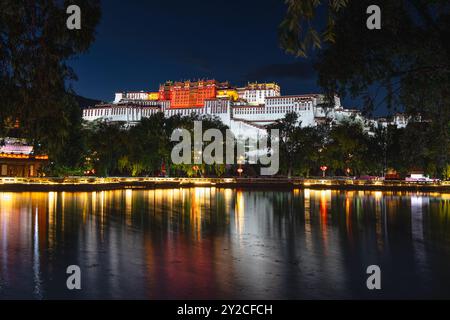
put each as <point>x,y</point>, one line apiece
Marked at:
<point>208,243</point>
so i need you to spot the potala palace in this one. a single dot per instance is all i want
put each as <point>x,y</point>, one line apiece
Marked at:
<point>246,111</point>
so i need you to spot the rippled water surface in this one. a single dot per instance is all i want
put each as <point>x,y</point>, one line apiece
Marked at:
<point>207,243</point>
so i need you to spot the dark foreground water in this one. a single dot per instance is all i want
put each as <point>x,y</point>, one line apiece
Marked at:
<point>220,243</point>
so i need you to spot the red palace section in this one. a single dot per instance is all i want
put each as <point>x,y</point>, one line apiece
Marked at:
<point>188,94</point>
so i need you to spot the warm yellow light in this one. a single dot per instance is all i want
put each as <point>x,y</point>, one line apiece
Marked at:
<point>22,156</point>
<point>7,197</point>
<point>378,194</point>
<point>153,96</point>
<point>228,93</point>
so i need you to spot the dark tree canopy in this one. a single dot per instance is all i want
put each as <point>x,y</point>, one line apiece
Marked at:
<point>35,45</point>
<point>112,149</point>
<point>405,65</point>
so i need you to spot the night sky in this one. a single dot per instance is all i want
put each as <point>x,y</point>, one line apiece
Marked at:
<point>141,44</point>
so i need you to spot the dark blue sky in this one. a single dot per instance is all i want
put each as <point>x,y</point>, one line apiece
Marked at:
<point>141,44</point>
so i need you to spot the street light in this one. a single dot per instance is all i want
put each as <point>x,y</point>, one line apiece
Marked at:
<point>324,169</point>
<point>240,170</point>
<point>195,168</point>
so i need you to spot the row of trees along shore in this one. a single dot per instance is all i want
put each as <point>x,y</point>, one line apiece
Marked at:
<point>110,149</point>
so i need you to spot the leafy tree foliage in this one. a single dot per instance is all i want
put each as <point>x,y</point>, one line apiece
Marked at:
<point>349,149</point>
<point>299,147</point>
<point>407,62</point>
<point>105,146</point>
<point>113,149</point>
<point>35,45</point>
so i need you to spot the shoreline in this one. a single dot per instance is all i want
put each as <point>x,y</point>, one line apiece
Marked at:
<point>85,184</point>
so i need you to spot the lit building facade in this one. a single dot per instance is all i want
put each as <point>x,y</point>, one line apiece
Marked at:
<point>189,94</point>
<point>256,93</point>
<point>128,113</point>
<point>136,96</point>
<point>246,111</point>
<point>18,159</point>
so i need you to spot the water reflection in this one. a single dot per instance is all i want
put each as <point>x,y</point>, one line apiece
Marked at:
<point>223,243</point>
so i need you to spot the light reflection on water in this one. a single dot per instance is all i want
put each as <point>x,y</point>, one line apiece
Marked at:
<point>223,243</point>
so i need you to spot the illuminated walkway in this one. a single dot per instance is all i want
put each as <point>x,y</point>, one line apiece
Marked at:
<point>113,183</point>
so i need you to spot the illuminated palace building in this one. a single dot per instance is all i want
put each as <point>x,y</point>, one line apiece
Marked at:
<point>19,160</point>
<point>246,111</point>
